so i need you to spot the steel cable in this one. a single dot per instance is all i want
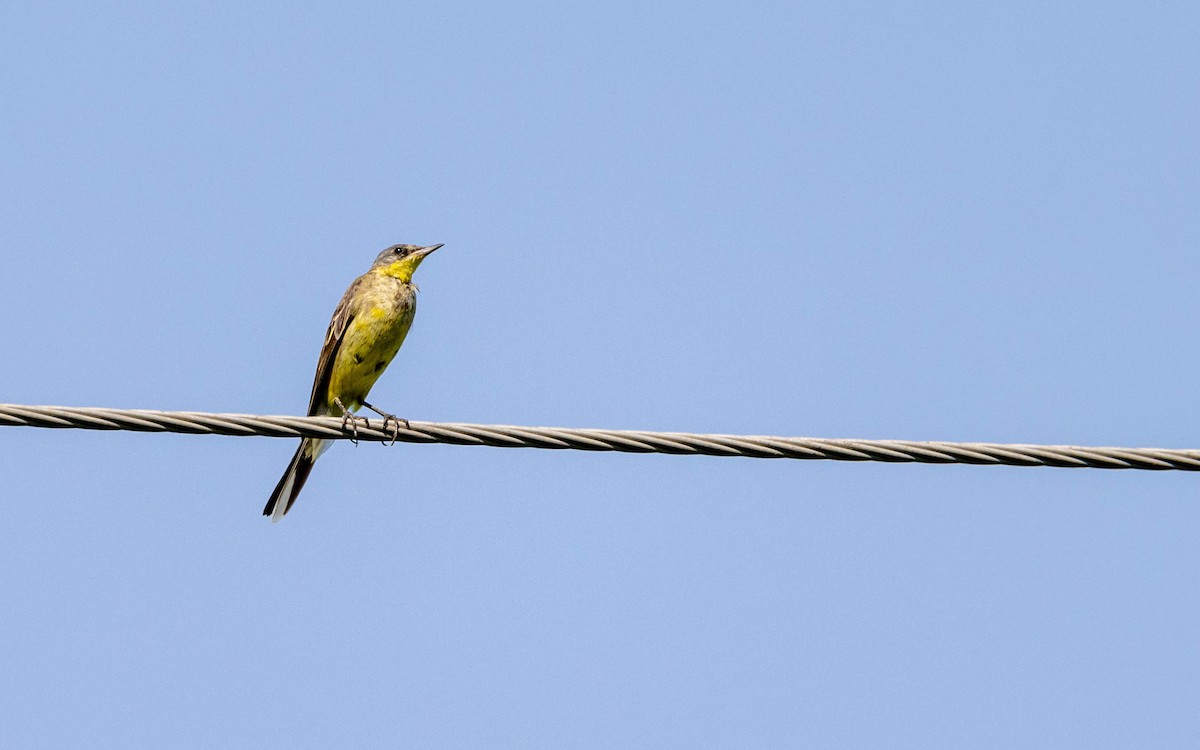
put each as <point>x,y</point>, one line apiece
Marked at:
<point>627,441</point>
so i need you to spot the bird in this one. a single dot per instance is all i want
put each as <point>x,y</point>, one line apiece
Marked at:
<point>368,326</point>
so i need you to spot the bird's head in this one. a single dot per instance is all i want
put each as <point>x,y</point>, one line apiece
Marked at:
<point>399,261</point>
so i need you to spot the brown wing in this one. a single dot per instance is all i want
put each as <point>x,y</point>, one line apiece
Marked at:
<point>342,315</point>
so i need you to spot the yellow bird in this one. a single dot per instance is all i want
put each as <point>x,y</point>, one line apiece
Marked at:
<point>367,329</point>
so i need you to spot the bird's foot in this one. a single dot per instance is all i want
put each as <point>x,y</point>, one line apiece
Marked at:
<point>351,419</point>
<point>390,418</point>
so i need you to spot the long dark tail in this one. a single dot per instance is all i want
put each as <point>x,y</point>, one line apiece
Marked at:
<point>294,478</point>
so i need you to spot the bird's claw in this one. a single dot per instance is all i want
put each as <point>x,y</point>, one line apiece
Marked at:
<point>353,420</point>
<point>396,428</point>
<point>349,418</point>
<point>388,417</point>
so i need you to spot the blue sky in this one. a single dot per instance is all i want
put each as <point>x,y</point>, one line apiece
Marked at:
<point>947,221</point>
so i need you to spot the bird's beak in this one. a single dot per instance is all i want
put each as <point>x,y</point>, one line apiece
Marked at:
<point>427,250</point>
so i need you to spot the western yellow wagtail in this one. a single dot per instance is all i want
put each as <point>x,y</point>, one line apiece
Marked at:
<point>367,329</point>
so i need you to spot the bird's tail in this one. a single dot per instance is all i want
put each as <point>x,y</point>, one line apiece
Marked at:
<point>293,479</point>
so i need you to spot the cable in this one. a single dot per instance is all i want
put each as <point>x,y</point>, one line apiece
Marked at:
<point>627,441</point>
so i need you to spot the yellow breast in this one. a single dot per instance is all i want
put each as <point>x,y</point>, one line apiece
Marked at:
<point>371,341</point>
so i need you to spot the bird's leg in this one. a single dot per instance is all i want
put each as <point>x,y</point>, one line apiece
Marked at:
<point>392,418</point>
<point>348,417</point>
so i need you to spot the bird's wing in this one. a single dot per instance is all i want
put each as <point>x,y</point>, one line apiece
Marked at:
<point>342,315</point>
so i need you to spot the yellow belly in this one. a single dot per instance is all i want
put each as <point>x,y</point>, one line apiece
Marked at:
<point>368,346</point>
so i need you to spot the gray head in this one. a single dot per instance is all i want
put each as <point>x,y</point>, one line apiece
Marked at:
<point>401,260</point>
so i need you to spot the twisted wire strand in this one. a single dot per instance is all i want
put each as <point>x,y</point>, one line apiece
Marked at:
<point>627,441</point>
